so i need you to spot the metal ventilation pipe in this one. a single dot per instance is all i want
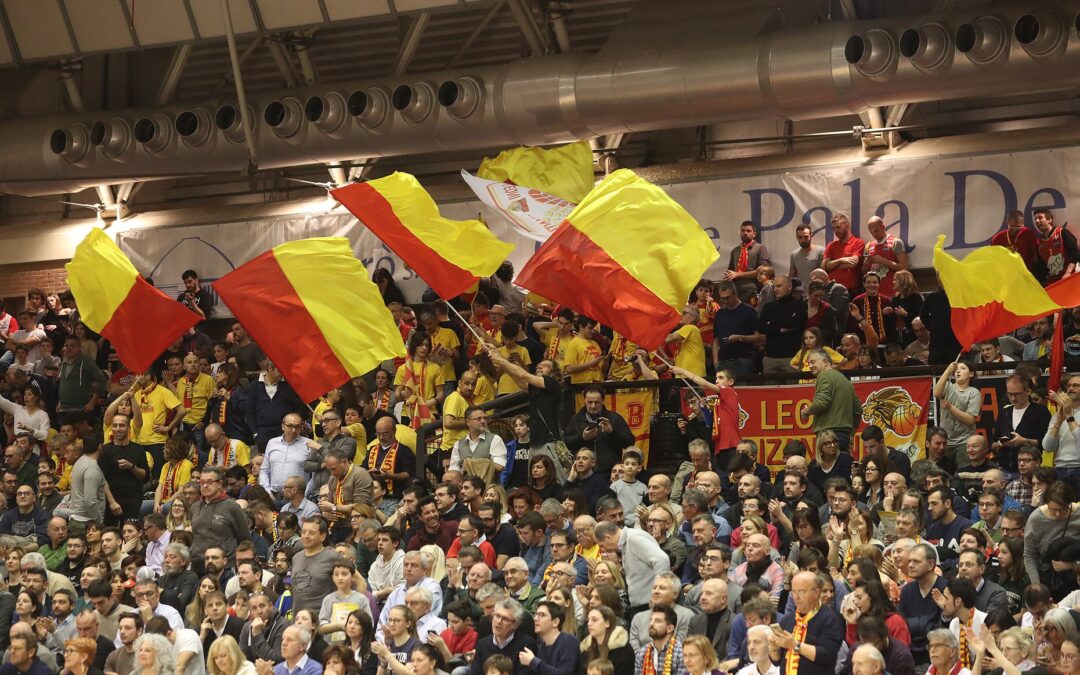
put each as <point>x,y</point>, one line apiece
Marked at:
<point>929,46</point>
<point>415,102</point>
<point>985,40</point>
<point>195,127</point>
<point>284,116</point>
<point>114,137</point>
<point>810,72</point>
<point>461,96</point>
<point>155,133</point>
<point>71,143</point>
<point>1043,33</point>
<point>874,53</point>
<point>228,120</point>
<point>369,107</point>
<point>327,112</point>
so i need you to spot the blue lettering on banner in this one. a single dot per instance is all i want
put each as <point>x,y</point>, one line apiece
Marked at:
<point>856,206</point>
<point>1008,193</point>
<point>902,222</point>
<point>756,207</point>
<point>1057,201</point>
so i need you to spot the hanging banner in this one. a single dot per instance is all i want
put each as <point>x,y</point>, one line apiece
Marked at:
<point>636,407</point>
<point>964,197</point>
<point>900,407</point>
<point>526,211</point>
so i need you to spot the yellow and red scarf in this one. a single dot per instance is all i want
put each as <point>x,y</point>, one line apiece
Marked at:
<point>647,667</point>
<point>388,462</point>
<point>802,622</point>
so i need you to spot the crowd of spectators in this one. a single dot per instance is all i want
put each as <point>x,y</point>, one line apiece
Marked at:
<point>201,518</point>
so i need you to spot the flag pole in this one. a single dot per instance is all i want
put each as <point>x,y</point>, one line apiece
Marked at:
<point>467,324</point>
<point>685,381</point>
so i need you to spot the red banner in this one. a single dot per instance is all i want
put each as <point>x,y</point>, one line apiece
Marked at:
<point>900,407</point>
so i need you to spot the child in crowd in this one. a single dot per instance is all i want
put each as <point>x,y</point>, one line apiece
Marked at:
<point>765,276</point>
<point>498,664</point>
<point>459,637</point>
<point>337,606</point>
<point>629,489</point>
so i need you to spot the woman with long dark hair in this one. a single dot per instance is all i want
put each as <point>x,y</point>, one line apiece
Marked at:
<point>1011,574</point>
<point>542,478</point>
<point>387,287</point>
<point>870,599</point>
<point>606,639</point>
<point>227,406</point>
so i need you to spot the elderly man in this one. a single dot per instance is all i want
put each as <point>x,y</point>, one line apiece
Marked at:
<point>759,567</point>
<point>917,603</point>
<point>87,625</point>
<point>758,651</point>
<point>658,491</point>
<point>835,406</point>
<point>349,491</point>
<point>516,575</point>
<point>216,519</point>
<point>225,452</point>
<point>660,524</point>
<point>505,638</point>
<point>56,551</point>
<point>417,570</point>
<point>867,660</point>
<point>810,639</point>
<point>148,597</point>
<point>665,593</point>
<point>295,661</point>
<point>714,621</point>
<point>177,582</point>
<point>643,559</point>
<point>419,600</point>
<point>583,476</point>
<point>944,653</point>
<point>463,582</point>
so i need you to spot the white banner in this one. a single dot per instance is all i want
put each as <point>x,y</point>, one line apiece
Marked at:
<point>966,198</point>
<point>527,211</point>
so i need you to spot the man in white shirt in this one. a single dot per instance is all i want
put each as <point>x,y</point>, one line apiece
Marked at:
<point>285,456</point>
<point>147,596</point>
<point>757,647</point>
<point>187,647</point>
<point>479,443</point>
<point>157,537</point>
<point>417,570</point>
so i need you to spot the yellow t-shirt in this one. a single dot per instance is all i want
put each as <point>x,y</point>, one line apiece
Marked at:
<point>691,351</point>
<point>154,405</point>
<point>456,405</point>
<point>199,392</point>
<point>182,476</point>
<point>556,346</point>
<point>506,383</point>
<point>358,432</point>
<point>484,390</point>
<point>620,349</point>
<point>446,338</point>
<point>243,454</point>
<point>581,350</point>
<point>322,406</point>
<point>427,377</point>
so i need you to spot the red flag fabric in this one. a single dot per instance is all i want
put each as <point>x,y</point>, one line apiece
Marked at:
<point>1057,354</point>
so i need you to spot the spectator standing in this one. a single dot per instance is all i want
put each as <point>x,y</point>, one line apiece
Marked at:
<point>312,567</point>
<point>885,254</point>
<point>960,404</point>
<point>780,328</point>
<point>268,402</point>
<point>1062,438</point>
<point>844,255</point>
<point>744,261</point>
<point>807,258</point>
<point>216,519</point>
<point>835,406</point>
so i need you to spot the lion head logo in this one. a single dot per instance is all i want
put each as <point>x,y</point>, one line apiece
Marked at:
<point>743,417</point>
<point>892,408</point>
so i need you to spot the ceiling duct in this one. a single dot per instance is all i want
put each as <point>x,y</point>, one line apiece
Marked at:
<point>929,46</point>
<point>874,53</point>
<point>985,40</point>
<point>113,137</point>
<point>228,120</point>
<point>326,112</point>
<point>194,127</point>
<point>71,143</point>
<point>155,133</point>
<point>369,107</point>
<point>1043,33</point>
<point>415,101</point>
<point>284,116</point>
<point>809,72</point>
<point>461,96</point>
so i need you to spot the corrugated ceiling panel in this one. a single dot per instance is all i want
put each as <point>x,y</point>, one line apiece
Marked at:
<point>340,10</point>
<point>163,22</point>
<point>279,14</point>
<point>211,23</point>
<point>99,25</point>
<point>39,28</point>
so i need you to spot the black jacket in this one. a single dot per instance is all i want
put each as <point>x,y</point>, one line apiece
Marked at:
<point>607,446</point>
<point>267,644</point>
<point>264,414</point>
<point>178,590</point>
<point>233,627</point>
<point>485,647</point>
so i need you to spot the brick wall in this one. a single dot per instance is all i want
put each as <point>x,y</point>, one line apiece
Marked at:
<point>16,279</point>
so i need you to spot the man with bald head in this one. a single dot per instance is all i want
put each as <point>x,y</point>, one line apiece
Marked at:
<point>796,465</point>
<point>809,639</point>
<point>996,478</point>
<point>780,328</point>
<point>709,483</point>
<point>885,254</point>
<point>389,459</point>
<point>714,622</point>
<point>759,567</point>
<point>658,492</point>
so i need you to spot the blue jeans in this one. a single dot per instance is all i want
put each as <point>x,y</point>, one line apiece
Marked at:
<point>1070,476</point>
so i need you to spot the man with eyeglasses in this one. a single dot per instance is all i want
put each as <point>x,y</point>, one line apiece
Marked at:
<point>516,575</point>
<point>478,447</point>
<point>216,519</point>
<point>1018,423</point>
<point>147,596</point>
<point>714,564</point>
<point>660,523</point>
<point>809,637</point>
<point>26,524</point>
<point>1029,458</point>
<point>470,532</point>
<point>349,491</point>
<point>562,545</point>
<point>333,439</point>
<point>1012,524</point>
<point>292,492</point>
<point>285,456</point>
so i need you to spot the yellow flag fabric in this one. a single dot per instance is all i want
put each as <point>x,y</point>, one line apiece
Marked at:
<point>448,254</point>
<point>100,276</point>
<point>566,171</point>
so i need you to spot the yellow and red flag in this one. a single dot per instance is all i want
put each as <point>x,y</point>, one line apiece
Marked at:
<point>310,306</point>
<point>115,301</point>
<point>566,171</point>
<point>450,255</point>
<point>627,256</point>
<point>991,292</point>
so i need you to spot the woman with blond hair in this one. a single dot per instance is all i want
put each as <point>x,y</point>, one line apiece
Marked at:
<point>907,304</point>
<point>79,655</point>
<point>225,658</point>
<point>699,656</point>
<point>438,561</point>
